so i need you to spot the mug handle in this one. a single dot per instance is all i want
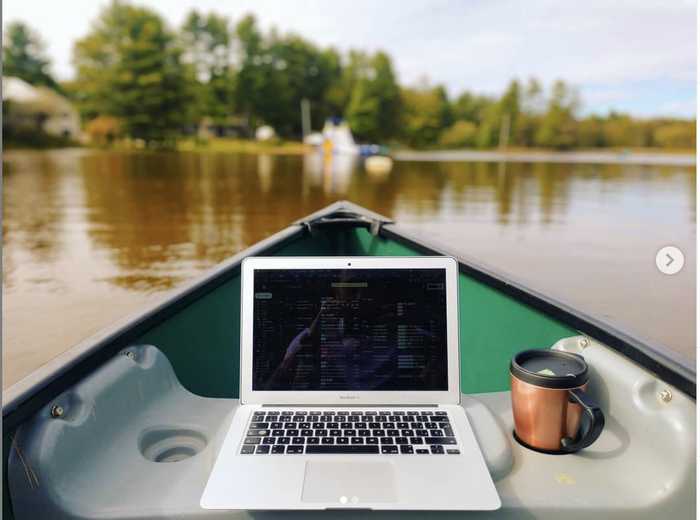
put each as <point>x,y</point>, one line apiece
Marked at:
<point>595,426</point>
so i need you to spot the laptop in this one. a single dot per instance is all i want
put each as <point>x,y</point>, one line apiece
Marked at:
<point>349,390</point>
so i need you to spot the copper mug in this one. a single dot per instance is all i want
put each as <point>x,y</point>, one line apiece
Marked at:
<point>549,398</point>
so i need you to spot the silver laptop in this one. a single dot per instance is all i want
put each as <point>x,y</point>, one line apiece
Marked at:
<point>350,390</point>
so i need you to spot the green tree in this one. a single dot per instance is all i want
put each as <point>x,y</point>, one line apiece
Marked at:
<point>129,67</point>
<point>375,103</point>
<point>208,57</point>
<point>422,115</point>
<point>460,135</point>
<point>23,56</point>
<point>558,128</point>
<point>276,73</point>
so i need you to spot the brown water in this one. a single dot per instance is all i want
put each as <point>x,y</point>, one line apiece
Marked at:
<point>91,236</point>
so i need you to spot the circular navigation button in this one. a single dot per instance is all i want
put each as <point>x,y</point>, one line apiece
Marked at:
<point>670,260</point>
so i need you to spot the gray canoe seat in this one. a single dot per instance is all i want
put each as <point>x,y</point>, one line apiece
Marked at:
<point>132,443</point>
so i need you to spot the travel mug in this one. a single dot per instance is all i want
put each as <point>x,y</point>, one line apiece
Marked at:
<point>548,397</point>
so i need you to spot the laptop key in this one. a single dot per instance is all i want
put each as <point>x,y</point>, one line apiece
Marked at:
<point>422,451</point>
<point>440,418</point>
<point>277,449</point>
<point>364,433</point>
<point>260,450</point>
<point>440,413</point>
<point>387,440</point>
<point>343,440</point>
<point>318,425</point>
<point>276,425</point>
<point>320,433</point>
<point>295,449</point>
<point>350,448</point>
<point>349,433</point>
<point>437,433</point>
<point>357,440</point>
<point>401,440</point>
<point>327,440</point>
<point>407,433</point>
<point>422,433</point>
<point>309,433</point>
<point>392,433</point>
<point>304,426</point>
<point>268,440</point>
<point>343,425</point>
<point>407,450</point>
<point>448,432</point>
<point>335,433</point>
<point>247,450</point>
<point>374,425</point>
<point>437,450</point>
<point>259,426</point>
<point>252,440</point>
<point>283,440</point>
<point>452,451</point>
<point>292,433</point>
<point>298,440</point>
<point>378,433</point>
<point>390,450</point>
<point>278,433</point>
<point>371,440</point>
<point>416,440</point>
<point>313,440</point>
<point>430,426</point>
<point>258,433</point>
<point>440,440</point>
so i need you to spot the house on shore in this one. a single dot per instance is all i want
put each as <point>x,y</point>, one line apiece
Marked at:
<point>30,108</point>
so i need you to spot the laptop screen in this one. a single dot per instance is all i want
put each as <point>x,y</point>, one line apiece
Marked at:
<point>349,329</point>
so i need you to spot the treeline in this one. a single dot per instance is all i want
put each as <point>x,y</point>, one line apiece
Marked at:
<point>157,84</point>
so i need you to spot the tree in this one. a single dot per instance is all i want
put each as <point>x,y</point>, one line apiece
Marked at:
<point>23,56</point>
<point>276,73</point>
<point>460,135</point>
<point>209,61</point>
<point>422,115</point>
<point>558,128</point>
<point>373,110</point>
<point>129,67</point>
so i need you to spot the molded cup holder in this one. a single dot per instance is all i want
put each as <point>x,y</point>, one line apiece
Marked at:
<point>171,444</point>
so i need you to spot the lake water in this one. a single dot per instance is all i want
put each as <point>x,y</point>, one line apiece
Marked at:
<point>91,236</point>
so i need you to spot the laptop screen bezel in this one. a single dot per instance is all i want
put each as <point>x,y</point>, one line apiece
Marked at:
<point>350,397</point>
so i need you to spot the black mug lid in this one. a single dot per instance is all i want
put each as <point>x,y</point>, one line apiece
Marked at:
<point>550,368</point>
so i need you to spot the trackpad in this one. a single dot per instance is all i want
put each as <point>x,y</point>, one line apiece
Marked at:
<point>349,483</point>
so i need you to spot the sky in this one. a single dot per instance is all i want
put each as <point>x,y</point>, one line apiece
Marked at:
<point>635,56</point>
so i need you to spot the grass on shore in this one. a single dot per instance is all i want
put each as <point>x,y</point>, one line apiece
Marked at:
<point>243,146</point>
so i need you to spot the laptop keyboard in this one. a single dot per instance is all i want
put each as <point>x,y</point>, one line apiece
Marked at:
<point>399,432</point>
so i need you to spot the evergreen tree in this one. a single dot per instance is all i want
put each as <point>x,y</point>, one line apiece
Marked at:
<point>374,107</point>
<point>129,67</point>
<point>208,56</point>
<point>23,56</point>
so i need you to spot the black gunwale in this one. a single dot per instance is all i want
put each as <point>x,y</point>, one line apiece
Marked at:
<point>31,393</point>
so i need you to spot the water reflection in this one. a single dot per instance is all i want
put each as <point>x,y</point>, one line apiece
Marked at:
<point>94,226</point>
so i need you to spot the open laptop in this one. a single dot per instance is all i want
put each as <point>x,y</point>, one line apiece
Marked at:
<point>350,390</point>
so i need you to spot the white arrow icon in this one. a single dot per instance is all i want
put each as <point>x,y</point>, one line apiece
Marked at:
<point>670,260</point>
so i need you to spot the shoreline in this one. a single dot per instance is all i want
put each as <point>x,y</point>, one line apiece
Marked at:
<point>538,156</point>
<point>639,156</point>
